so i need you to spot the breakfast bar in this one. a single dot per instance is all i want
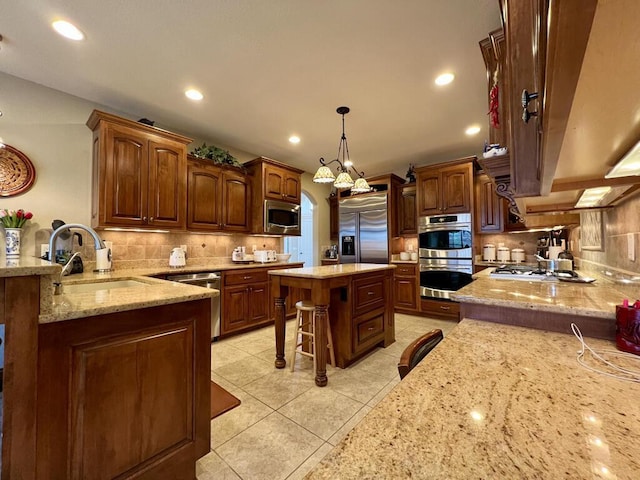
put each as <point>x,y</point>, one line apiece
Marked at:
<point>497,401</point>
<point>359,298</point>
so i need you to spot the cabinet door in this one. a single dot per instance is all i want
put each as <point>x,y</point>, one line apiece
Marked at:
<point>456,189</point>
<point>488,206</point>
<point>167,184</point>
<point>430,195</point>
<point>273,182</point>
<point>235,202</point>
<point>291,188</point>
<point>258,303</point>
<point>235,306</point>
<point>406,292</point>
<point>408,221</point>
<point>204,206</point>
<point>126,177</point>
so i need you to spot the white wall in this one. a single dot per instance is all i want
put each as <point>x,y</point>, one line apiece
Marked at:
<point>49,127</point>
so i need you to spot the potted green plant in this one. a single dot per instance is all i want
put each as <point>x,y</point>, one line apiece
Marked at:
<point>218,155</point>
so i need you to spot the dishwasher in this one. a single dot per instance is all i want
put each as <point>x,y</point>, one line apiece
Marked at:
<point>206,280</point>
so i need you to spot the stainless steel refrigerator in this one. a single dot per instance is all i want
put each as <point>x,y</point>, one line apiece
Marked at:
<point>364,236</point>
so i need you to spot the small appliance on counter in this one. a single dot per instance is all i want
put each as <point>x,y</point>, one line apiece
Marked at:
<point>489,252</point>
<point>177,258</point>
<point>264,256</point>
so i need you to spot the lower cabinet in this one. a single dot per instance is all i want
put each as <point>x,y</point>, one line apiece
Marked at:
<point>246,299</point>
<point>440,309</point>
<point>405,288</point>
<point>125,395</point>
<point>361,317</point>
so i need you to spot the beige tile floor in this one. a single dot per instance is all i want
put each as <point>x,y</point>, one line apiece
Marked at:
<point>285,424</point>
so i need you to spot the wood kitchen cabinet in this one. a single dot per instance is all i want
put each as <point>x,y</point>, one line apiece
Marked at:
<point>139,174</point>
<point>445,188</point>
<point>489,206</point>
<point>245,300</point>
<point>361,315</point>
<point>271,180</point>
<point>405,288</point>
<point>125,395</point>
<point>407,210</point>
<point>217,197</point>
<point>440,309</point>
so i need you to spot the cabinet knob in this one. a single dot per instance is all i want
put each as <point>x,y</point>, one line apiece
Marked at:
<point>144,219</point>
<point>151,219</point>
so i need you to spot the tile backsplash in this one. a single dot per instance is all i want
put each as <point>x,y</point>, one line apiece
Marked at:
<point>143,250</point>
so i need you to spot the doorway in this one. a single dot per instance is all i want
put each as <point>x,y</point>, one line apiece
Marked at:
<point>303,248</point>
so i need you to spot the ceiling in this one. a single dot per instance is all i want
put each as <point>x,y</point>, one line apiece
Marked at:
<point>272,69</point>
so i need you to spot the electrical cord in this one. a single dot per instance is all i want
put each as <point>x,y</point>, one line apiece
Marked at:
<point>621,373</point>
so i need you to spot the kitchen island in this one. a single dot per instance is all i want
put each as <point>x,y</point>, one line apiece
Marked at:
<point>496,401</point>
<point>113,381</point>
<point>359,300</point>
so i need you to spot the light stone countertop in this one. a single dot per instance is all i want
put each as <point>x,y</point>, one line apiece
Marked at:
<point>495,401</point>
<point>70,306</point>
<point>24,266</point>
<point>598,299</point>
<point>332,271</point>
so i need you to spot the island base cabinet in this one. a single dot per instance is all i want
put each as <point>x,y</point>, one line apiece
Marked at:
<point>125,395</point>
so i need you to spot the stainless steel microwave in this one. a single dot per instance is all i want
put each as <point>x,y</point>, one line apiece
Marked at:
<point>282,218</point>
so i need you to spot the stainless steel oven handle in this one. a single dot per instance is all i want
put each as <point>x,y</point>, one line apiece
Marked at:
<point>425,268</point>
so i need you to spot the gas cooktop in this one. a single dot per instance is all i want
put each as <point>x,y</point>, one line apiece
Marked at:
<point>522,272</point>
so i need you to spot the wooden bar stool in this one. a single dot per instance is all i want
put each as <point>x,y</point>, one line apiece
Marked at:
<point>306,329</point>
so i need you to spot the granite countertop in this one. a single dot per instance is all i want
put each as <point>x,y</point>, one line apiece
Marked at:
<point>496,401</point>
<point>24,266</point>
<point>597,299</point>
<point>332,271</point>
<point>67,306</point>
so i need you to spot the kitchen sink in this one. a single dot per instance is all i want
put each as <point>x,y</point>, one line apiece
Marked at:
<point>97,286</point>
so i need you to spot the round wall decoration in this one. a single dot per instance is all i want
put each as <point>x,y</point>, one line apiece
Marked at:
<point>17,173</point>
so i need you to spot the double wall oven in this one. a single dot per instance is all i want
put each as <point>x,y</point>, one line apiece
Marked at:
<point>446,254</point>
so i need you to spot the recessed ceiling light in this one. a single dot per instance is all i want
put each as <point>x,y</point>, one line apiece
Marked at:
<point>473,130</point>
<point>194,94</point>
<point>294,139</point>
<point>445,79</point>
<point>67,30</point>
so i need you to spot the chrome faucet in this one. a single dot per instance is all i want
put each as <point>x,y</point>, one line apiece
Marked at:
<point>103,255</point>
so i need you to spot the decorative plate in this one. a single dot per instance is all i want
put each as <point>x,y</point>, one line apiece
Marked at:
<point>17,173</point>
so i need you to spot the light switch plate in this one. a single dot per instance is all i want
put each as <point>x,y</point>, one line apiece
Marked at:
<point>184,248</point>
<point>44,249</point>
<point>631,250</point>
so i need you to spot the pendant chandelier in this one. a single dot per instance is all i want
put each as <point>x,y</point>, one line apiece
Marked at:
<point>344,179</point>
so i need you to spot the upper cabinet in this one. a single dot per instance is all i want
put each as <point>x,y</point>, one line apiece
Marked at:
<point>407,210</point>
<point>275,180</point>
<point>445,188</point>
<point>217,197</point>
<point>533,66</point>
<point>139,174</point>
<point>271,180</point>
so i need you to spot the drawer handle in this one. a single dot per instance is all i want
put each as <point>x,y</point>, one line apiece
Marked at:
<point>370,328</point>
<point>370,293</point>
<point>442,307</point>
<point>247,277</point>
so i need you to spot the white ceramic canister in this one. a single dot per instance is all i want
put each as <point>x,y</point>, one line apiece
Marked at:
<point>489,252</point>
<point>517,255</point>
<point>503,254</point>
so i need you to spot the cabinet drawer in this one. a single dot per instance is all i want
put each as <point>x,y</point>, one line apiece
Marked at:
<point>368,294</point>
<point>245,276</point>
<point>441,309</point>
<point>369,331</point>
<point>404,270</point>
